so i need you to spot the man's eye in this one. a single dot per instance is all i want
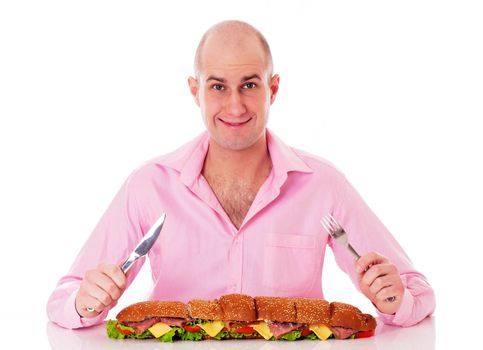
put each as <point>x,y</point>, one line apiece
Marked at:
<point>249,85</point>
<point>218,87</point>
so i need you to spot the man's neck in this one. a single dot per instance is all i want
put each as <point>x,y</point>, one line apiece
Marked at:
<point>246,164</point>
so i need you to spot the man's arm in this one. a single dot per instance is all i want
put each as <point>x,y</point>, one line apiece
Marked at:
<point>389,272</point>
<point>93,278</point>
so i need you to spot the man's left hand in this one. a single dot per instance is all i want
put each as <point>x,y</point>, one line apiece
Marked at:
<point>379,280</point>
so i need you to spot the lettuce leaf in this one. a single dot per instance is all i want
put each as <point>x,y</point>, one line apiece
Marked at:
<point>242,335</point>
<point>311,336</point>
<point>221,335</point>
<point>293,335</point>
<point>193,336</point>
<point>112,332</point>
<point>197,321</point>
<point>168,337</point>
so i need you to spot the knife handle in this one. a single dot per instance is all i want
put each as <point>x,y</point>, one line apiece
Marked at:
<point>126,266</point>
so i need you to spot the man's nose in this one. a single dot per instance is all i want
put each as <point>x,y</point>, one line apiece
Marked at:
<point>235,106</point>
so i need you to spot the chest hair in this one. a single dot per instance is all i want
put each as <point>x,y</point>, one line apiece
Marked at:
<point>235,197</point>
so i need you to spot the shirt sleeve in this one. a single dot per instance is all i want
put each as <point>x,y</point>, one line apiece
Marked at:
<point>366,234</point>
<point>112,240</point>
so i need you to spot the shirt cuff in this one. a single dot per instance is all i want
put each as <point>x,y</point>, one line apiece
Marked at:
<point>79,321</point>
<point>403,314</point>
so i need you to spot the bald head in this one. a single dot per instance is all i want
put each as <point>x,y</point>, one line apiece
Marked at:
<point>233,35</point>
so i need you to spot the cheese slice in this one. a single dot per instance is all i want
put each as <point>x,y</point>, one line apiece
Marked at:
<point>212,328</point>
<point>263,329</point>
<point>321,331</point>
<point>159,329</point>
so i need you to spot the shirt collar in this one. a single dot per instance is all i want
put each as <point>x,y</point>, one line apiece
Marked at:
<point>188,160</point>
<point>284,159</point>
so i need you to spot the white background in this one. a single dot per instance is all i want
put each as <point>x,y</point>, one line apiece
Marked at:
<point>391,92</point>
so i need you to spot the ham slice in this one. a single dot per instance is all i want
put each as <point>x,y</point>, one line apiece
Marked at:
<point>141,327</point>
<point>342,333</point>
<point>173,321</point>
<point>236,324</point>
<point>280,328</point>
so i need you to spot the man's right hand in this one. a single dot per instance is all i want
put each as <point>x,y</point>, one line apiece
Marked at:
<point>100,288</point>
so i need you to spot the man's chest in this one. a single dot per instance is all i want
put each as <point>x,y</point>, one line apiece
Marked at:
<point>235,197</point>
<point>280,251</point>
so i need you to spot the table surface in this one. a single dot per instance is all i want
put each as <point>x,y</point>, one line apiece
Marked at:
<point>421,336</point>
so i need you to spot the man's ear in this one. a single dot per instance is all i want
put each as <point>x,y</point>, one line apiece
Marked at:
<point>274,82</point>
<point>194,88</point>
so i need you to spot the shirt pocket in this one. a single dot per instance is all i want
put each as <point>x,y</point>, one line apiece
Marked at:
<point>290,262</point>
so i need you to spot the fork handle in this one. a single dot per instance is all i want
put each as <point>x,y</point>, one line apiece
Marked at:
<point>353,251</point>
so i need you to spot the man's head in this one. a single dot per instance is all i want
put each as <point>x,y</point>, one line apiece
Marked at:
<point>233,30</point>
<point>234,86</point>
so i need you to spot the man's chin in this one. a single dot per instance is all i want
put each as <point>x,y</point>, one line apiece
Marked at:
<point>238,144</point>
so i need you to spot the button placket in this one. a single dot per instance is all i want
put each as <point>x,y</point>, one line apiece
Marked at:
<point>236,263</point>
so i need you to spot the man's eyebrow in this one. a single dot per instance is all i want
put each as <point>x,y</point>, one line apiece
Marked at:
<point>250,77</point>
<point>212,77</point>
<point>243,79</point>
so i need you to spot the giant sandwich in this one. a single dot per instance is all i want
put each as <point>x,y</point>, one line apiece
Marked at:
<point>241,316</point>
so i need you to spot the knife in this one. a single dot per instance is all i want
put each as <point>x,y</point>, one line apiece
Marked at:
<point>143,247</point>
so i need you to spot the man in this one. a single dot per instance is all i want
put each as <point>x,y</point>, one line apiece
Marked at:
<point>243,209</point>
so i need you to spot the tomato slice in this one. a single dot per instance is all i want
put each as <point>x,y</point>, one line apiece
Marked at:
<point>364,334</point>
<point>124,331</point>
<point>192,329</point>
<point>305,332</point>
<point>246,329</point>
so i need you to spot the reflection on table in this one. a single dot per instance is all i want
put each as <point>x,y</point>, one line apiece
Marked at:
<point>421,336</point>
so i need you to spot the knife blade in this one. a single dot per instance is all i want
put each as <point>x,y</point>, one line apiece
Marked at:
<point>145,244</point>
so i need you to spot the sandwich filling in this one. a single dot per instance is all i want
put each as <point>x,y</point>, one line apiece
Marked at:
<point>201,329</point>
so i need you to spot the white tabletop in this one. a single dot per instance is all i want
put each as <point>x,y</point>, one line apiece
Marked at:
<point>421,336</point>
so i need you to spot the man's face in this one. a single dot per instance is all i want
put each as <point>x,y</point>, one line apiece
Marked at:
<point>234,92</point>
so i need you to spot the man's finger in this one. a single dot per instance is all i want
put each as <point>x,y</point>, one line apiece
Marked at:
<point>374,272</point>
<point>368,260</point>
<point>100,295</point>
<point>385,293</point>
<point>380,283</point>
<point>108,285</point>
<point>100,280</point>
<point>93,304</point>
<point>87,306</point>
<point>115,273</point>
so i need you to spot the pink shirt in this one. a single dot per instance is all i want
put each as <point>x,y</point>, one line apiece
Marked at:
<point>278,250</point>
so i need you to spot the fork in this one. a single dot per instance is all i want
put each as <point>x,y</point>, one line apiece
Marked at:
<point>339,235</point>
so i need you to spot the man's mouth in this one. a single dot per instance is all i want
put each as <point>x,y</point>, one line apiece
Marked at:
<point>235,124</point>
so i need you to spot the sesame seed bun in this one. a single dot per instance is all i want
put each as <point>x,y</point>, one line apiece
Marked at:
<point>140,311</point>
<point>312,311</point>
<point>348,316</point>
<point>205,309</point>
<point>238,307</point>
<point>276,309</point>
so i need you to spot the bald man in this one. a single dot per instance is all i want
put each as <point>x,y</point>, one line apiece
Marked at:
<point>243,209</point>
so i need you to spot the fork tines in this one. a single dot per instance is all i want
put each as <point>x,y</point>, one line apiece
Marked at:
<point>330,224</point>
